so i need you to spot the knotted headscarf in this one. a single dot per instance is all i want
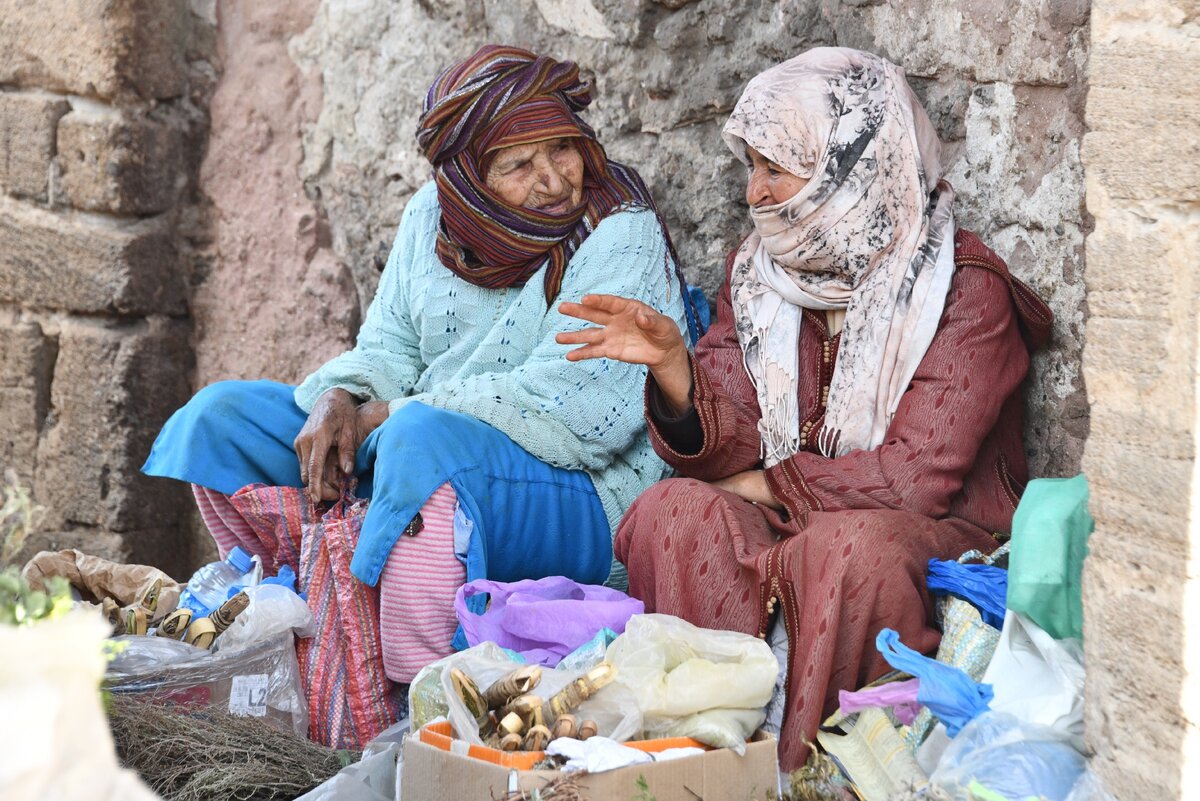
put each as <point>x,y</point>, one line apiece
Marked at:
<point>871,233</point>
<point>500,97</point>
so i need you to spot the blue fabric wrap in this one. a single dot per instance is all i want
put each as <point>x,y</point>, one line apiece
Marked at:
<point>530,519</point>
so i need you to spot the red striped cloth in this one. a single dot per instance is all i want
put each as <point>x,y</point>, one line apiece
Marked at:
<point>350,699</point>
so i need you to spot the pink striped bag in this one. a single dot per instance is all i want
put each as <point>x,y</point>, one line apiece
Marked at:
<point>350,699</point>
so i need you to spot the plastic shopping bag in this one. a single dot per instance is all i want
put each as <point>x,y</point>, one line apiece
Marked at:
<point>1050,531</point>
<point>543,619</point>
<point>983,586</point>
<point>900,696</point>
<point>693,682</point>
<point>998,756</point>
<point>431,694</point>
<point>1037,678</point>
<point>949,693</point>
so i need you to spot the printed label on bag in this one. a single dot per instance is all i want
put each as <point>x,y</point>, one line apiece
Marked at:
<point>248,695</point>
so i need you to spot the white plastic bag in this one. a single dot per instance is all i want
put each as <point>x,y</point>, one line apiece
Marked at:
<point>55,742</point>
<point>614,708</point>
<point>1010,758</point>
<point>272,610</point>
<point>693,682</point>
<point>1037,678</point>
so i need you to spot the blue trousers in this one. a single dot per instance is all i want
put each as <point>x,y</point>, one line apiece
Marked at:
<point>530,519</point>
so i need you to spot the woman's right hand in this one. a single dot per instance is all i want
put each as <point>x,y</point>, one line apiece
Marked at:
<point>631,331</point>
<point>327,444</point>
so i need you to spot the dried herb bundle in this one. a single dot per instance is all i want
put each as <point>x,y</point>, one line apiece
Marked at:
<point>211,755</point>
<point>819,780</point>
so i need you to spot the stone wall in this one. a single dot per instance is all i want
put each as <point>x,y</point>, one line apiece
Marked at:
<point>134,246</point>
<point>1003,82</point>
<point>1141,582</point>
<point>101,125</point>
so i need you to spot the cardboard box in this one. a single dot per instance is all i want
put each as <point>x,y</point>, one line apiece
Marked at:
<point>432,773</point>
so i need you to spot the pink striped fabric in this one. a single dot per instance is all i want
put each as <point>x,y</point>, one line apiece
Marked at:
<point>416,591</point>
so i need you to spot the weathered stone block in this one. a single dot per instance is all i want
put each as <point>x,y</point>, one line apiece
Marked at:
<point>114,386</point>
<point>26,363</point>
<point>95,47</point>
<point>81,263</point>
<point>111,162</point>
<point>27,121</point>
<point>1125,148</point>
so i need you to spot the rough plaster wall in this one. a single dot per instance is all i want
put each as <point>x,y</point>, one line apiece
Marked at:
<point>269,261</point>
<point>1142,578</point>
<point>1004,83</point>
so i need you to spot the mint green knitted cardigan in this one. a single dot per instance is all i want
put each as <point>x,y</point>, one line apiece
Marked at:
<point>430,336</point>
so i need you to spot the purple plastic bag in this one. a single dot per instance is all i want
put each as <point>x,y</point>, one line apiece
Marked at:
<point>543,619</point>
<point>900,695</point>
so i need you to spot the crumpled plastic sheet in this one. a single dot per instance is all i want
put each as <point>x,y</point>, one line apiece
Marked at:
<point>262,680</point>
<point>431,695</point>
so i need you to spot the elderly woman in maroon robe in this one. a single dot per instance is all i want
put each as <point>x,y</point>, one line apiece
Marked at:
<point>854,412</point>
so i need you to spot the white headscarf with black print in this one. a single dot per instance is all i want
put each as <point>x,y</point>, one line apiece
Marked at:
<point>871,233</point>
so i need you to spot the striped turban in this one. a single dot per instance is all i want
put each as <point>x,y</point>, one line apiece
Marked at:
<point>500,97</point>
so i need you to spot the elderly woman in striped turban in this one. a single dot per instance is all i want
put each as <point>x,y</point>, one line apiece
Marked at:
<point>456,410</point>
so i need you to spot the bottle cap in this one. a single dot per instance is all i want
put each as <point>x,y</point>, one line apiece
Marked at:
<point>240,560</point>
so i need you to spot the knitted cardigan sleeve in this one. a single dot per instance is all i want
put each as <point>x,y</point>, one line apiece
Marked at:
<point>385,361</point>
<point>576,415</point>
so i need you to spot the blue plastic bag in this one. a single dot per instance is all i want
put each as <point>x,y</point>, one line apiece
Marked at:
<point>950,694</point>
<point>982,586</point>
<point>998,755</point>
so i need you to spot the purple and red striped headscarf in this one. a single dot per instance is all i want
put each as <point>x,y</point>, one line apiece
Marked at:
<point>499,97</point>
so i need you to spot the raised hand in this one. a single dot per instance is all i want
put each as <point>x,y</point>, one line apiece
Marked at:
<point>630,331</point>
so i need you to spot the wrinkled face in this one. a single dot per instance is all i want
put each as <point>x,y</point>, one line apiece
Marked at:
<point>546,176</point>
<point>768,184</point>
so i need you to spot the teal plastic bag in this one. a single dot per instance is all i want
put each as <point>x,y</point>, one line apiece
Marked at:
<point>1049,542</point>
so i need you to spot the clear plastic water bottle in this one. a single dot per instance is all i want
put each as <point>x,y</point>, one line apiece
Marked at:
<point>209,586</point>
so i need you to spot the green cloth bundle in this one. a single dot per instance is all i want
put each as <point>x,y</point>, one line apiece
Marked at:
<point>1049,543</point>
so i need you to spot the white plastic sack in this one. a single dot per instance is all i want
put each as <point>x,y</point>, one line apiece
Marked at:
<point>375,777</point>
<point>55,743</point>
<point>693,682</point>
<point>614,708</point>
<point>272,610</point>
<point>1037,678</point>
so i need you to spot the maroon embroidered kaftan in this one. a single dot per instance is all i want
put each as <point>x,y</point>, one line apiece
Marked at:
<point>849,555</point>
